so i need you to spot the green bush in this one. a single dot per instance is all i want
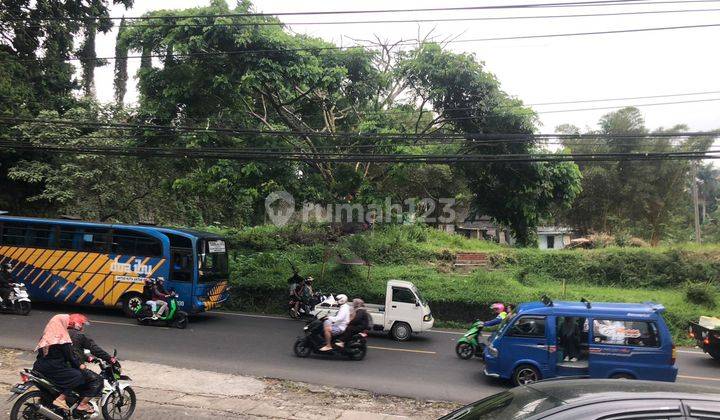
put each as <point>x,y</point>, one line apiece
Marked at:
<point>700,294</point>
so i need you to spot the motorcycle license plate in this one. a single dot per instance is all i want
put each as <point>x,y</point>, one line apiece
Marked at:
<point>19,388</point>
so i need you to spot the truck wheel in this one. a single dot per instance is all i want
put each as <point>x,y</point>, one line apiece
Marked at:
<point>525,374</point>
<point>401,331</point>
<point>130,302</point>
<point>714,353</point>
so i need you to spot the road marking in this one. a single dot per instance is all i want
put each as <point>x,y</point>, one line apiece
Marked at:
<point>249,315</point>
<point>447,332</point>
<point>113,323</point>
<point>691,352</point>
<point>702,378</point>
<point>405,350</point>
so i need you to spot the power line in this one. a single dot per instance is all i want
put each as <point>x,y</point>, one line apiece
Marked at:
<point>247,131</point>
<point>190,153</point>
<point>394,21</point>
<point>401,44</point>
<point>575,4</point>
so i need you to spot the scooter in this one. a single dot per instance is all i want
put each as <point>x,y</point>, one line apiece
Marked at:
<point>18,302</point>
<point>172,318</point>
<point>116,402</point>
<point>471,344</point>
<point>314,340</point>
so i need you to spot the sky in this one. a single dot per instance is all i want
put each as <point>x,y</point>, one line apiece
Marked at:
<point>539,70</point>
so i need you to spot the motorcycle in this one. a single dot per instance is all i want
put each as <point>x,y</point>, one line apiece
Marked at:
<point>117,401</point>
<point>305,309</point>
<point>172,318</point>
<point>18,302</point>
<point>314,340</point>
<point>470,344</point>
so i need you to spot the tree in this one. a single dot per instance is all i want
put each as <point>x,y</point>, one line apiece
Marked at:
<point>643,196</point>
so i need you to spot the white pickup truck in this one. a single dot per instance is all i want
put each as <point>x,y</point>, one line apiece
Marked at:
<point>404,312</point>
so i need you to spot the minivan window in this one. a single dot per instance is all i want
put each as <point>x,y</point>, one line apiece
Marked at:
<point>625,333</point>
<point>528,326</point>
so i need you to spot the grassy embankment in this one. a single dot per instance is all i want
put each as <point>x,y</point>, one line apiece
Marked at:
<point>682,278</point>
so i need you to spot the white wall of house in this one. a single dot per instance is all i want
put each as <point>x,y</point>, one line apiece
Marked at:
<point>556,240</point>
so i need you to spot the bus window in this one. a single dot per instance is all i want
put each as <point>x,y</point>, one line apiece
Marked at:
<point>14,233</point>
<point>126,242</point>
<point>213,262</point>
<point>94,240</point>
<point>38,236</point>
<point>182,265</point>
<point>66,239</point>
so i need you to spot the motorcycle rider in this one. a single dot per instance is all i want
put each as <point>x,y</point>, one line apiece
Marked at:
<point>160,296</point>
<point>359,322</point>
<point>500,313</point>
<point>335,325</point>
<point>6,284</point>
<point>80,342</point>
<point>56,361</point>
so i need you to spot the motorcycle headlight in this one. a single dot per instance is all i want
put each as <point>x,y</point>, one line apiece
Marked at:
<point>305,328</point>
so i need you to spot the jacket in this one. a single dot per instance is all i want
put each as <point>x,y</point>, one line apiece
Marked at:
<point>80,342</point>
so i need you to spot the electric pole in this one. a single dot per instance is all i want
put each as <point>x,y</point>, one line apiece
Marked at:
<point>696,205</point>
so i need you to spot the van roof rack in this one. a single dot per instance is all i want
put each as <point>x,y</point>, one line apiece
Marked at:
<point>546,300</point>
<point>586,302</point>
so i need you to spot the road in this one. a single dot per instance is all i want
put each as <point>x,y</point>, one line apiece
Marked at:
<point>258,345</point>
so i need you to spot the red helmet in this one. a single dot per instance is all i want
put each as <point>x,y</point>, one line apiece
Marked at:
<point>78,321</point>
<point>498,307</point>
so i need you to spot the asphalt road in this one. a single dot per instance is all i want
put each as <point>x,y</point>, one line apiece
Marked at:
<point>258,345</point>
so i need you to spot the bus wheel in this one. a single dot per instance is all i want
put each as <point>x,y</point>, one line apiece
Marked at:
<point>181,320</point>
<point>130,303</point>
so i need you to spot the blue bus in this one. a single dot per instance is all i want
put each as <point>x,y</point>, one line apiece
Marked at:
<point>599,340</point>
<point>98,264</point>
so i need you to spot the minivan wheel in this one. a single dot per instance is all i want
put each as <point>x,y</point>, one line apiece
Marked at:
<point>401,331</point>
<point>622,376</point>
<point>525,374</point>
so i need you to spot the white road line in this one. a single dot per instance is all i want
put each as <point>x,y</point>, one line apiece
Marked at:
<point>702,378</point>
<point>699,353</point>
<point>446,332</point>
<point>113,323</point>
<point>249,315</point>
<point>404,350</point>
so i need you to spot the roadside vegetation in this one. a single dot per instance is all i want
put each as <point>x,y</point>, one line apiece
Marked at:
<point>681,278</point>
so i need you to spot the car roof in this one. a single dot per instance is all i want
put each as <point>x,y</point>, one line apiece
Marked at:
<point>647,309</point>
<point>589,390</point>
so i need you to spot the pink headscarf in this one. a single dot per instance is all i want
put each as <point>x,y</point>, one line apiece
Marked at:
<point>56,332</point>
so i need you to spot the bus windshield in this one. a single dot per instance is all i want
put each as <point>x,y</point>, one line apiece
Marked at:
<point>213,260</point>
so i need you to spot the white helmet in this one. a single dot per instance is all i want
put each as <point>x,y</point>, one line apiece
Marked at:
<point>341,299</point>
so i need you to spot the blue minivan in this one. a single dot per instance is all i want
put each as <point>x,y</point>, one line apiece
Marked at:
<point>549,339</point>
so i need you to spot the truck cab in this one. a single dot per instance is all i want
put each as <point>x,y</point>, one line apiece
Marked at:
<point>404,312</point>
<point>582,339</point>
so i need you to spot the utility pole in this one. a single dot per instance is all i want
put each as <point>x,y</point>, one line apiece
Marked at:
<point>696,205</point>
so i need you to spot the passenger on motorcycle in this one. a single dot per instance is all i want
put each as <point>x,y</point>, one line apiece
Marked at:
<point>56,361</point>
<point>159,297</point>
<point>335,325</point>
<point>6,283</point>
<point>81,342</point>
<point>359,322</point>
<point>499,310</point>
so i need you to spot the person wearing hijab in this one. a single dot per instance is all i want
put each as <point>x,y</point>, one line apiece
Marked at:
<point>359,322</point>
<point>57,362</point>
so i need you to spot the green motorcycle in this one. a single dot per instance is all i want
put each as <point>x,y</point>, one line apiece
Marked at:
<point>172,318</point>
<point>471,343</point>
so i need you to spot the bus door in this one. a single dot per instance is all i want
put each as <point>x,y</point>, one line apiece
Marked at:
<point>181,276</point>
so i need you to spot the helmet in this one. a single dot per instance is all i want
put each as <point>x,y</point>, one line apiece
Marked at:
<point>498,307</point>
<point>309,279</point>
<point>341,299</point>
<point>78,321</point>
